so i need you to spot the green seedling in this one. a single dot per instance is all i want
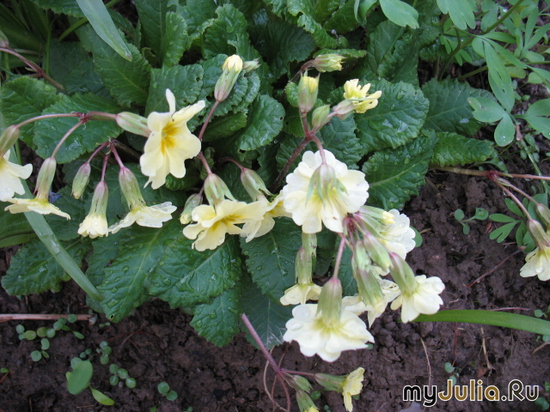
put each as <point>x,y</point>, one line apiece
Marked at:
<point>452,371</point>
<point>120,373</point>
<point>105,351</point>
<point>79,379</point>
<point>164,390</point>
<point>481,214</point>
<point>542,401</point>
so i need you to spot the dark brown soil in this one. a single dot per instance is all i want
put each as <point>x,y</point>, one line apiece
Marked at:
<point>157,344</point>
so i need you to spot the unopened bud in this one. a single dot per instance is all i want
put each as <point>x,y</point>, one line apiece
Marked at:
<point>100,199</point>
<point>251,65</point>
<point>81,179</point>
<point>192,202</point>
<point>368,287</point>
<point>299,383</point>
<point>377,251</point>
<point>305,403</point>
<point>129,186</point>
<point>544,214</point>
<point>328,62</point>
<point>308,88</point>
<point>45,178</point>
<point>538,233</point>
<point>330,382</point>
<point>253,183</point>
<point>8,138</point>
<point>216,190</point>
<point>133,123</point>
<point>343,109</point>
<point>231,69</point>
<point>320,117</point>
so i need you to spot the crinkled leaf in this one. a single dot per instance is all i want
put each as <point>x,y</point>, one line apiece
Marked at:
<point>265,121</point>
<point>69,7</point>
<point>400,13</point>
<point>267,317</point>
<point>460,11</point>
<point>100,19</point>
<point>185,277</point>
<point>74,69</point>
<point>175,40</point>
<point>222,127</point>
<point>398,117</point>
<point>82,140</point>
<point>342,20</point>
<point>128,82</point>
<point>23,98</point>
<point>184,81</point>
<point>219,320</point>
<point>153,19</point>
<point>196,13</point>
<point>105,250</point>
<point>395,175</point>
<point>453,149</point>
<point>449,108</point>
<point>34,270</point>
<point>270,258</point>
<point>306,12</point>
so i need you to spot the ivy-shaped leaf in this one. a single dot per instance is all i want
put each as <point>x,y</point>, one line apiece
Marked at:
<point>82,140</point>
<point>267,317</point>
<point>395,175</point>
<point>23,98</point>
<point>453,149</point>
<point>34,270</point>
<point>218,321</point>
<point>449,108</point>
<point>397,119</point>
<point>270,258</point>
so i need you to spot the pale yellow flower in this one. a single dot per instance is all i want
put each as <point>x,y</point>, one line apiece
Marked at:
<point>537,263</point>
<point>147,216</point>
<point>423,299</point>
<point>398,236</point>
<point>352,386</point>
<point>300,293</point>
<point>10,177</point>
<point>315,336</point>
<point>38,205</point>
<point>214,222</point>
<point>390,291</point>
<point>257,228</point>
<point>94,225</point>
<point>170,142</point>
<point>313,201</point>
<point>358,95</point>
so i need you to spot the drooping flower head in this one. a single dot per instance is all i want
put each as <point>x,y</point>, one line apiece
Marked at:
<point>140,213</point>
<point>398,237</point>
<point>95,224</point>
<point>170,142</point>
<point>537,262</point>
<point>40,204</point>
<point>348,385</point>
<point>304,289</point>
<point>356,99</point>
<point>319,193</point>
<point>10,177</point>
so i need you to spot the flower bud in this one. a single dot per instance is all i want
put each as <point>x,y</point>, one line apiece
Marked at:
<point>330,382</point>
<point>330,301</point>
<point>8,138</point>
<point>320,117</point>
<point>308,88</point>
<point>251,65</point>
<point>305,403</point>
<point>81,180</point>
<point>130,188</point>
<point>369,287</point>
<point>328,62</point>
<point>538,233</point>
<point>192,202</point>
<point>45,178</point>
<point>253,183</point>
<point>216,190</point>
<point>403,274</point>
<point>544,214</point>
<point>133,123</point>
<point>299,383</point>
<point>377,251</point>
<point>231,69</point>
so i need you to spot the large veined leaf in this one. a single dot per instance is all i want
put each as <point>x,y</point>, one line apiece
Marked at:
<point>449,108</point>
<point>270,258</point>
<point>395,175</point>
<point>453,149</point>
<point>176,39</point>
<point>85,139</point>
<point>152,16</point>
<point>397,119</point>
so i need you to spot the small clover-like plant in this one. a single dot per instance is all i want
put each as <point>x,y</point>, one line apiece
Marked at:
<point>480,214</point>
<point>120,373</point>
<point>79,379</point>
<point>165,390</point>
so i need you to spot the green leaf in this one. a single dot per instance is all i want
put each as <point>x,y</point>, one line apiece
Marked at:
<point>453,149</point>
<point>487,317</point>
<point>185,277</point>
<point>222,127</point>
<point>397,119</point>
<point>267,317</point>
<point>23,98</point>
<point>342,20</point>
<point>175,40</point>
<point>486,110</point>
<point>69,7</point>
<point>218,321</point>
<point>74,69</point>
<point>100,19</point>
<point>128,82</point>
<point>270,258</point>
<point>265,121</point>
<point>184,81</point>
<point>505,132</point>
<point>499,77</point>
<point>449,108</point>
<point>306,20</point>
<point>153,19</point>
<point>395,175</point>
<point>33,269</point>
<point>101,397</point>
<point>63,229</point>
<point>15,229</point>
<point>460,11</point>
<point>80,377</point>
<point>85,138</point>
<point>538,117</point>
<point>400,13</point>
